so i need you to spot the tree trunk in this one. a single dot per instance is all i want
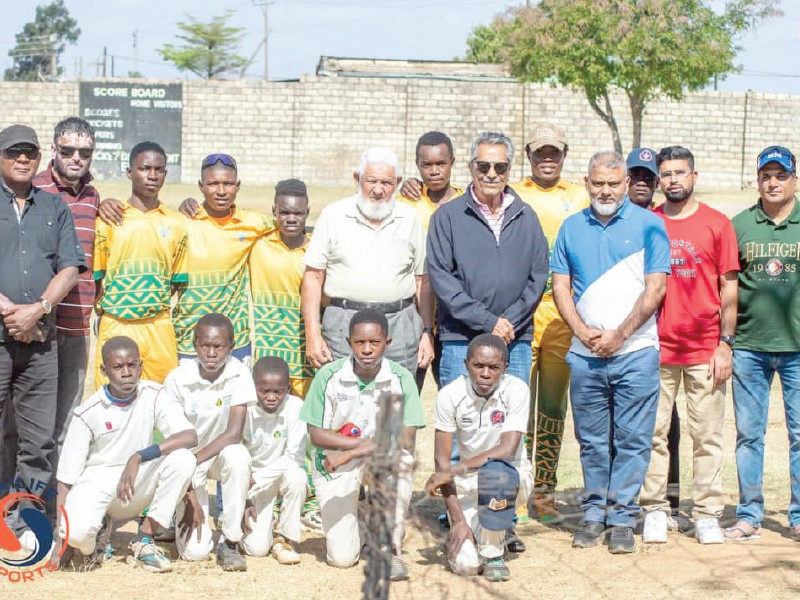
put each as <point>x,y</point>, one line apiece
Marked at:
<point>637,114</point>
<point>608,118</point>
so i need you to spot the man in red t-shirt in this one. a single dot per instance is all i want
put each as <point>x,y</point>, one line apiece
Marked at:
<point>696,332</point>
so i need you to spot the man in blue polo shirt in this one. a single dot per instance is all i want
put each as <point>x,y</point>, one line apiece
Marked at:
<point>610,266</point>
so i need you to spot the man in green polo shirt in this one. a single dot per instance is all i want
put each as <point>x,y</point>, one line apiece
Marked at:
<point>767,335</point>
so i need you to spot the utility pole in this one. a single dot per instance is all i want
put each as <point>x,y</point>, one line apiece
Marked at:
<point>105,59</point>
<point>265,41</point>
<point>136,50</point>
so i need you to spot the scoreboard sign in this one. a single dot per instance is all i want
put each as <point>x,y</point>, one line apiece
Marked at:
<point>124,114</point>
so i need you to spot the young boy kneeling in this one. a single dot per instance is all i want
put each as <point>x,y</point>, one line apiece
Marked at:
<point>341,409</point>
<point>110,465</point>
<point>276,439</point>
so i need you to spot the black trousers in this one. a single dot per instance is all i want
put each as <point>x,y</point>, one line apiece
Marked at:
<point>29,382</point>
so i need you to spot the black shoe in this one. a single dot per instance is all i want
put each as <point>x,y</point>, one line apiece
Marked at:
<point>513,542</point>
<point>621,540</point>
<point>588,535</point>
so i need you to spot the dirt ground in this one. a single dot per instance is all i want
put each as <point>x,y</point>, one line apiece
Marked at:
<point>550,568</point>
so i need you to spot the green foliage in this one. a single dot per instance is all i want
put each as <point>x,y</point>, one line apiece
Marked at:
<point>41,43</point>
<point>209,49</point>
<point>647,48</point>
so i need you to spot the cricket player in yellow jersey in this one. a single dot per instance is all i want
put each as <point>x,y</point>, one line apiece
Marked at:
<point>553,199</point>
<point>435,160</point>
<point>135,266</point>
<point>276,270</point>
<point>221,236</point>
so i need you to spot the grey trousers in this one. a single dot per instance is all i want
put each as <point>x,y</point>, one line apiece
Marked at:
<point>405,329</point>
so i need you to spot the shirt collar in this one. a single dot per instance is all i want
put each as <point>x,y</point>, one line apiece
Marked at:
<point>560,185</point>
<point>274,237</point>
<point>203,215</point>
<point>508,198</point>
<point>496,395</point>
<point>161,208</point>
<point>348,373</point>
<point>227,372</point>
<point>761,216</point>
<point>11,196</point>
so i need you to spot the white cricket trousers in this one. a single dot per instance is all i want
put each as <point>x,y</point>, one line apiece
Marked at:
<point>490,544</point>
<point>231,467</point>
<point>338,505</point>
<point>160,484</point>
<point>284,478</point>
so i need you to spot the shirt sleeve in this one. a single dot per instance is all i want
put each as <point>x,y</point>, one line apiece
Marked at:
<point>317,253</point>
<point>75,451</point>
<point>313,411</point>
<point>418,237</point>
<point>729,249</point>
<point>298,433</point>
<point>180,273</point>
<point>70,252</point>
<point>518,406</point>
<point>444,412</point>
<point>413,415</point>
<point>245,393</point>
<point>170,418</point>
<point>560,261</point>
<point>656,247</point>
<point>102,244</point>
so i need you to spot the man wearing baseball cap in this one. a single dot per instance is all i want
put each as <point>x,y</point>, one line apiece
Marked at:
<point>643,172</point>
<point>553,199</point>
<point>40,259</point>
<point>486,411</point>
<point>767,335</point>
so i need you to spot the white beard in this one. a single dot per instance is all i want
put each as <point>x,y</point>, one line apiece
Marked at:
<point>606,210</point>
<point>375,211</point>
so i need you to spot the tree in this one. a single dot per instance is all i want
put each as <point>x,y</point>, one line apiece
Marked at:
<point>41,43</point>
<point>209,49</point>
<point>646,48</point>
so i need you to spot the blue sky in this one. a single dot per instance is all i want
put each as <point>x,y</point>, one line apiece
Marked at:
<point>302,30</point>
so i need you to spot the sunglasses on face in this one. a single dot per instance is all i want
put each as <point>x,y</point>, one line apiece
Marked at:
<point>15,152</point>
<point>225,159</point>
<point>69,152</point>
<point>484,167</point>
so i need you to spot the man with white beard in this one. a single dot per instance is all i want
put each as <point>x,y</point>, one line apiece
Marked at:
<point>368,251</point>
<point>610,266</point>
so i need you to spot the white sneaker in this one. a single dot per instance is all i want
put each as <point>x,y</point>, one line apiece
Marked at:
<point>284,553</point>
<point>655,527</point>
<point>707,531</point>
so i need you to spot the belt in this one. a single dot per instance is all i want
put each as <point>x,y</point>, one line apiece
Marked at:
<point>384,307</point>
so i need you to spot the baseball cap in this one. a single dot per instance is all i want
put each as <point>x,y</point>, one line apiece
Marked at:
<point>17,134</point>
<point>642,157</point>
<point>498,485</point>
<point>547,134</point>
<point>777,154</point>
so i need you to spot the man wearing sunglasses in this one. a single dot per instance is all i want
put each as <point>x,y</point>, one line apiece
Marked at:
<point>40,259</point>
<point>68,176</point>
<point>487,259</point>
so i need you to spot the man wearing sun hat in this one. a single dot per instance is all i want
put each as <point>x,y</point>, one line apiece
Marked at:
<point>553,198</point>
<point>767,334</point>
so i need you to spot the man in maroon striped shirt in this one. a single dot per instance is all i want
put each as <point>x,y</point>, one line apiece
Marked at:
<point>68,176</point>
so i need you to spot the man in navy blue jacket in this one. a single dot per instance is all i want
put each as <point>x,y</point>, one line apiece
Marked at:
<point>487,262</point>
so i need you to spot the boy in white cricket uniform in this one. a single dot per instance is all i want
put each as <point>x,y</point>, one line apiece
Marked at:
<point>276,439</point>
<point>487,411</point>
<point>215,390</point>
<point>344,395</point>
<point>109,464</point>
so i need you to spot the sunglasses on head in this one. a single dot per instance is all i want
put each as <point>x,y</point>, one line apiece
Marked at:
<point>484,167</point>
<point>15,152</point>
<point>69,152</point>
<point>225,159</point>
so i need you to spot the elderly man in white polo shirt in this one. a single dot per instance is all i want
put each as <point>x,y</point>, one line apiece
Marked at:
<point>368,251</point>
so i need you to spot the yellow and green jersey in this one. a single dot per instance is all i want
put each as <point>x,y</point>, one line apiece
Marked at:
<point>216,263</point>
<point>139,260</point>
<point>424,206</point>
<point>275,275</point>
<point>552,205</point>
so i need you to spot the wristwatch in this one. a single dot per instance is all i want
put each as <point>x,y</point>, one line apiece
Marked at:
<point>728,339</point>
<point>46,306</point>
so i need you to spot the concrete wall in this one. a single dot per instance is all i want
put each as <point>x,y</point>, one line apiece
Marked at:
<point>315,129</point>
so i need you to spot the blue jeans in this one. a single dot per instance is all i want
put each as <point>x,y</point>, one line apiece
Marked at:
<point>454,356</point>
<point>752,376</point>
<point>453,365</point>
<point>614,405</point>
